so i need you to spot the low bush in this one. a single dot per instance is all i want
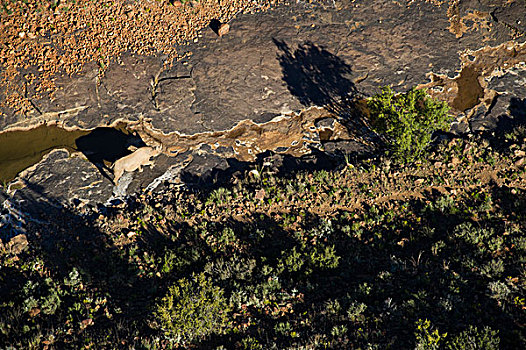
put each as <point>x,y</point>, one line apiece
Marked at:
<point>427,338</point>
<point>192,310</point>
<point>475,339</point>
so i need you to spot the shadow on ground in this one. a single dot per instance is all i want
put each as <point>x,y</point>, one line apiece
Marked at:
<point>361,279</point>
<point>76,286</point>
<point>510,129</point>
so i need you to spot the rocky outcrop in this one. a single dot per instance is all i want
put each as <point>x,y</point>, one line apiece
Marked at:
<point>237,96</point>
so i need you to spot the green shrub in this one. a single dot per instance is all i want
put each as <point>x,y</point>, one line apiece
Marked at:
<point>408,121</point>
<point>192,310</point>
<point>473,339</point>
<point>427,338</point>
<point>45,296</point>
<point>309,259</point>
<point>355,311</point>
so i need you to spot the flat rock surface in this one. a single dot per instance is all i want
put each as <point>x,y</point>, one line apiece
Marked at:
<point>275,63</point>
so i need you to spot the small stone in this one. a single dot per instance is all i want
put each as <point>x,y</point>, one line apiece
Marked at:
<point>260,194</point>
<point>86,323</point>
<point>520,153</point>
<point>520,162</point>
<point>17,244</point>
<point>223,29</point>
<point>34,311</point>
<point>254,173</point>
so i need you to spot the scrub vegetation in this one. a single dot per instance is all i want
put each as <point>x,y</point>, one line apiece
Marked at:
<point>379,254</point>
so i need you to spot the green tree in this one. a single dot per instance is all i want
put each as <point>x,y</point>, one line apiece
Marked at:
<point>408,121</point>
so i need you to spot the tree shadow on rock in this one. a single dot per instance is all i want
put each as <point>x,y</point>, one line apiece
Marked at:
<point>317,77</point>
